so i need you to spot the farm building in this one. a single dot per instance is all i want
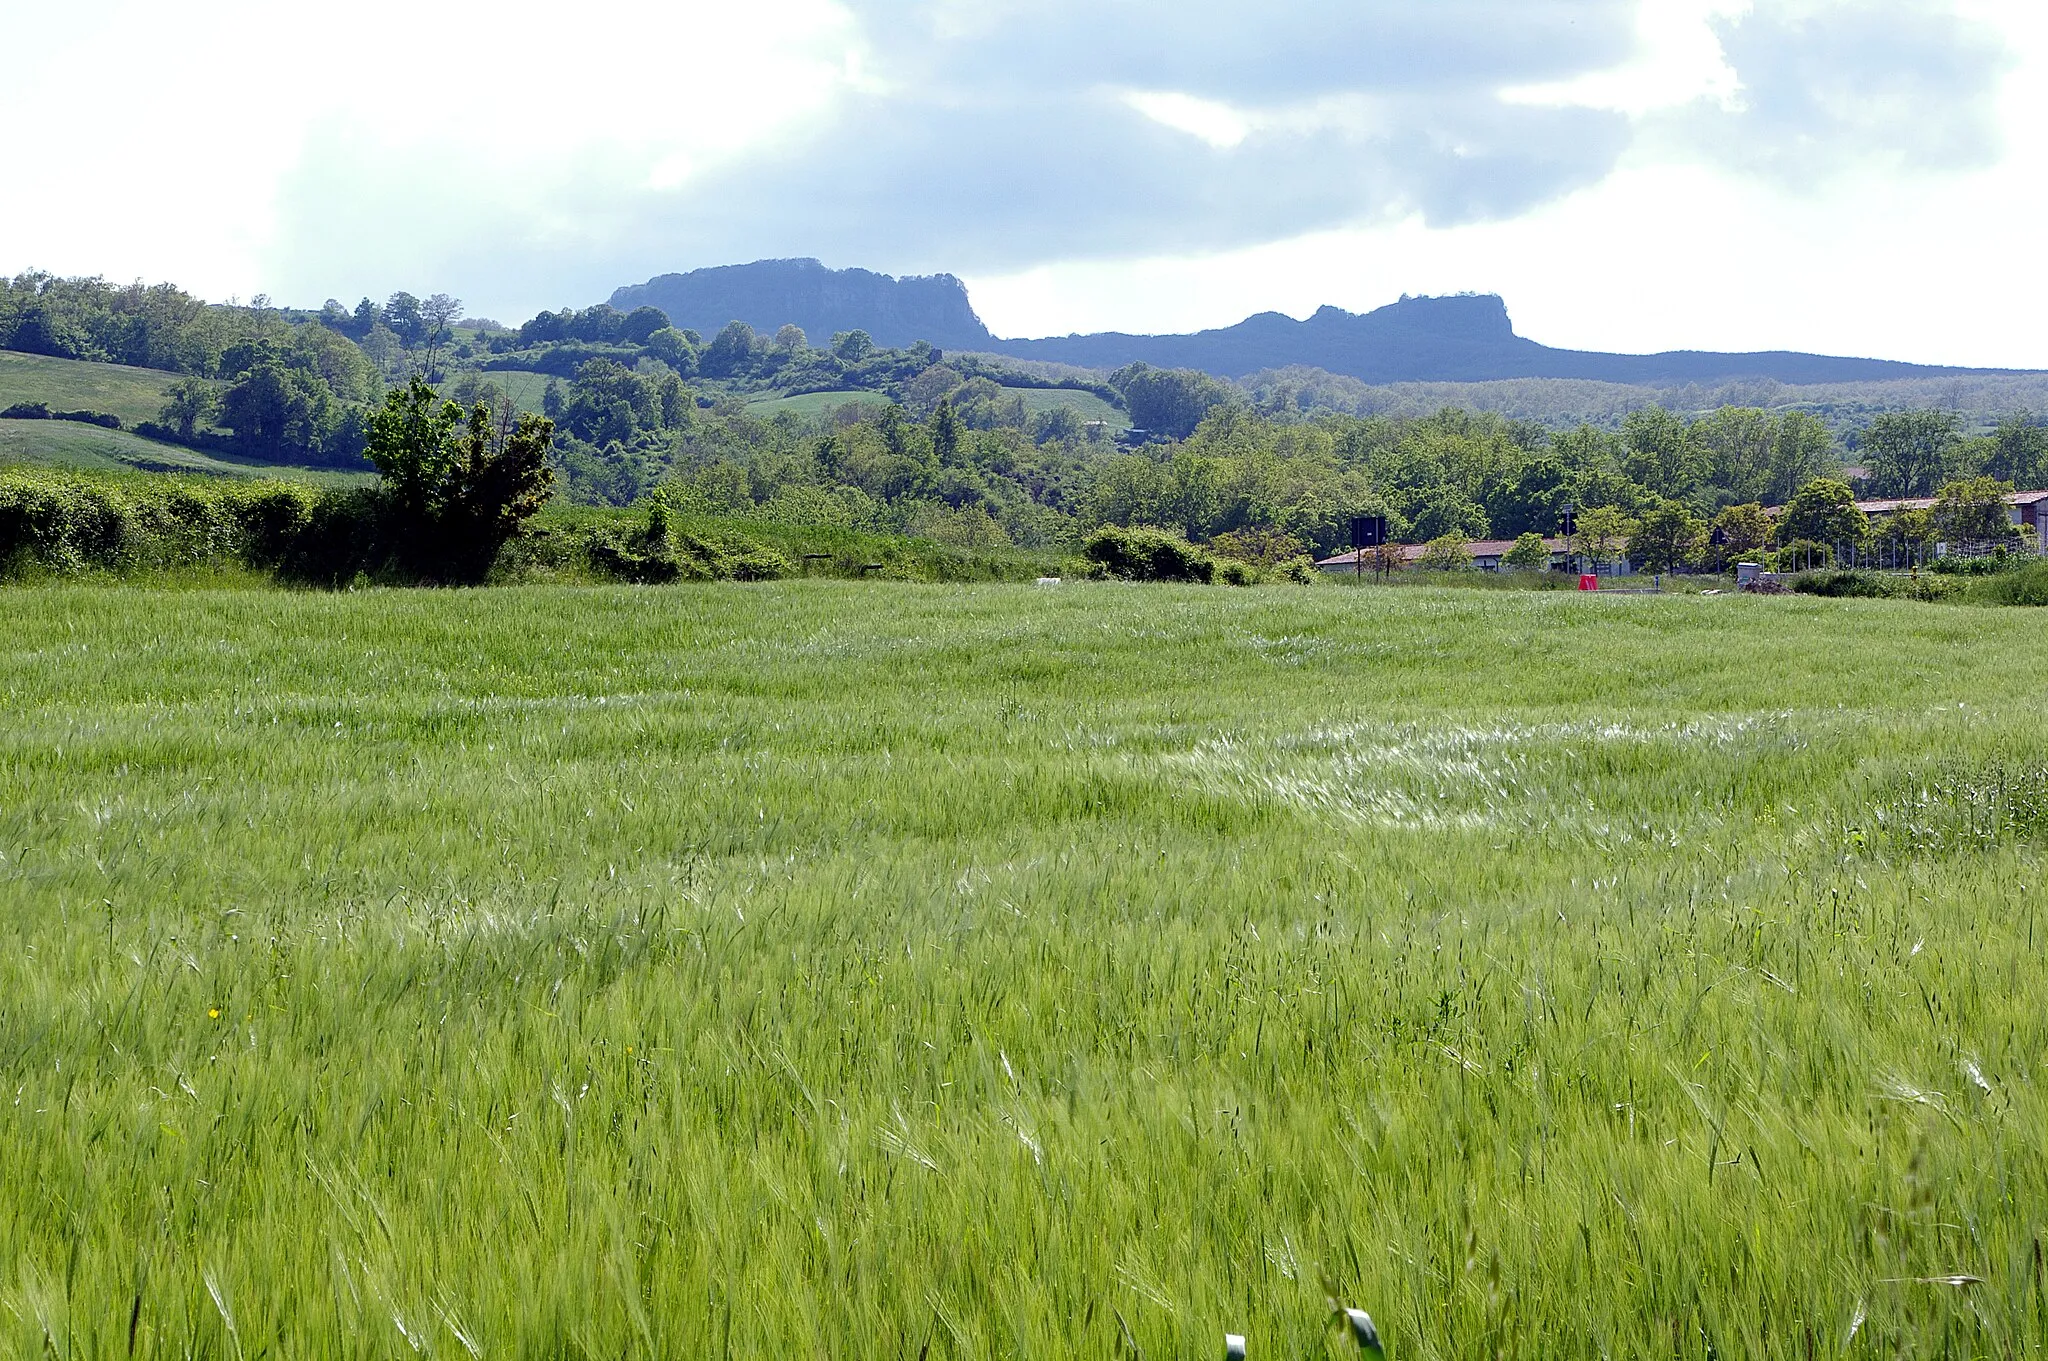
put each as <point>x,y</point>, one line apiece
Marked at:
<point>2028,509</point>
<point>1486,555</point>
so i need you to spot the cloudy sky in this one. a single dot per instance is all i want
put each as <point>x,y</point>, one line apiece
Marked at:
<point>1850,176</point>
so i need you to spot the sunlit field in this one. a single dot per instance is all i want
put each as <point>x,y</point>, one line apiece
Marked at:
<point>839,970</point>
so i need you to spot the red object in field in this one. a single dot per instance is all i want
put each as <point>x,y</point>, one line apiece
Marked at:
<point>1588,582</point>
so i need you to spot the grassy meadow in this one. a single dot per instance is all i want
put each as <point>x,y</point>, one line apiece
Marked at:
<point>134,395</point>
<point>91,448</point>
<point>874,970</point>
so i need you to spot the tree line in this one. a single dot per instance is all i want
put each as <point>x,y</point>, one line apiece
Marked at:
<point>947,445</point>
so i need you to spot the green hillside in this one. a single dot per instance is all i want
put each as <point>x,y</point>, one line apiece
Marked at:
<point>76,385</point>
<point>1086,404</point>
<point>66,444</point>
<point>1089,406</point>
<point>813,403</point>
<point>525,389</point>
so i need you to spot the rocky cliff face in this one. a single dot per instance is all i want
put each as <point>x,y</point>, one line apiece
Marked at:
<point>1464,339</point>
<point>769,294</point>
<point>1467,338</point>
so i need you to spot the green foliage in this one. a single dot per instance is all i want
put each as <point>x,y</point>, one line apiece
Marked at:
<point>1530,554</point>
<point>2026,585</point>
<point>660,555</point>
<point>1824,512</point>
<point>1668,536</point>
<point>465,486</point>
<point>1446,553</point>
<point>1803,555</point>
<point>1600,534</point>
<point>1743,534</point>
<point>1971,513</point>
<point>188,404</point>
<point>1911,453</point>
<point>1231,572</point>
<point>280,411</point>
<point>1170,402</point>
<point>67,522</point>
<point>1138,554</point>
<point>2018,452</point>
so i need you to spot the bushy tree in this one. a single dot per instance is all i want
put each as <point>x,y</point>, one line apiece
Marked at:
<point>463,484</point>
<point>1443,511</point>
<point>280,411</point>
<point>2018,453</point>
<point>1530,554</point>
<point>1599,534</point>
<point>1667,537</point>
<point>731,352</point>
<point>1170,402</point>
<point>674,349</point>
<point>1972,514</point>
<point>1147,555</point>
<point>1445,553</point>
<point>641,324</point>
<point>1660,453</point>
<point>403,316</point>
<point>1911,453</point>
<point>1824,511</point>
<point>1741,534</point>
<point>188,403</point>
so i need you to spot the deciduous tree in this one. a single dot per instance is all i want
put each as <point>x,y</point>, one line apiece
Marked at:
<point>463,484</point>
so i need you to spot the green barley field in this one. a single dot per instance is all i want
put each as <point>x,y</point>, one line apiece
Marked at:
<point>844,970</point>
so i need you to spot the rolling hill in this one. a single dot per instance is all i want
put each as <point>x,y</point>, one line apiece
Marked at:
<point>135,395</point>
<point>66,444</point>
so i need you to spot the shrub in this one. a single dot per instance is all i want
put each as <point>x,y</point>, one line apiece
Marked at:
<point>1300,571</point>
<point>348,533</point>
<point>104,419</point>
<point>1445,553</point>
<point>1147,555</point>
<point>1989,565</point>
<point>1865,585</point>
<point>1802,555</point>
<point>63,522</point>
<point>40,411</point>
<point>2026,586</point>
<point>273,518</point>
<point>658,554</point>
<point>1233,573</point>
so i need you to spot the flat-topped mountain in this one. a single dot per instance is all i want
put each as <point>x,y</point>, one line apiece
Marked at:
<point>1468,338</point>
<point>769,294</point>
<point>1464,339</point>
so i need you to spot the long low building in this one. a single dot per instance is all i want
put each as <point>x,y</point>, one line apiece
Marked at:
<point>2028,509</point>
<point>1488,555</point>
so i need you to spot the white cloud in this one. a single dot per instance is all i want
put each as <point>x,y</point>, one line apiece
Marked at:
<point>1678,60</point>
<point>1217,124</point>
<point>1670,251</point>
<point>1088,164</point>
<point>175,140</point>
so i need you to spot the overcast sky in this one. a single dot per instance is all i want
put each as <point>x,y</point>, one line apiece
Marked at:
<point>1848,176</point>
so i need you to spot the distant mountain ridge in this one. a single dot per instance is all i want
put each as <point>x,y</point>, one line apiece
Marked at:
<point>770,294</point>
<point>1468,338</point>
